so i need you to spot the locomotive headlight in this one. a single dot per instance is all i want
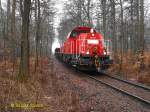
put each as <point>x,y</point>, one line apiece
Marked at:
<point>93,34</point>
<point>105,53</point>
<point>87,52</point>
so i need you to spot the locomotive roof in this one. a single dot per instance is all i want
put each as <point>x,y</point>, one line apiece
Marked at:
<point>82,28</point>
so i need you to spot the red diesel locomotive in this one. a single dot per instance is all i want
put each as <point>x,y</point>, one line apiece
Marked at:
<point>84,49</point>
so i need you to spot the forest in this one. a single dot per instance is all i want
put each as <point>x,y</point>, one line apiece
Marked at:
<point>29,28</point>
<point>26,31</point>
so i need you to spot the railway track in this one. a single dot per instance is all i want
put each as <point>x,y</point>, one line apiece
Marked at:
<point>128,82</point>
<point>137,91</point>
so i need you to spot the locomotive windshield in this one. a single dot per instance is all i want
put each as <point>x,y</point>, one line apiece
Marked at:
<point>75,33</point>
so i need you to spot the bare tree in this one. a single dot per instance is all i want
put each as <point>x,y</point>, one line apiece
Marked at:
<point>103,2</point>
<point>142,24</point>
<point>13,30</point>
<point>38,21</point>
<point>113,25</point>
<point>8,19</point>
<point>24,62</point>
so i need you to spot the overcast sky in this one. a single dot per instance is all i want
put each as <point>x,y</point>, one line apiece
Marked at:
<point>59,8</point>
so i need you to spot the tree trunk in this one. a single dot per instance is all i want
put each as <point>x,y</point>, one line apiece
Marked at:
<point>113,27</point>
<point>122,26</point>
<point>38,19</point>
<point>79,21</point>
<point>8,19</point>
<point>103,2</point>
<point>88,12</point>
<point>132,35</point>
<point>13,30</point>
<point>24,62</point>
<point>137,29</point>
<point>121,36</point>
<point>142,25</point>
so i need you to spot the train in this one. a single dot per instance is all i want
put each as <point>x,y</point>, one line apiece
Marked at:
<point>84,49</point>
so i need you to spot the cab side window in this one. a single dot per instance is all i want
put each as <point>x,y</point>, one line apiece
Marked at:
<point>73,34</point>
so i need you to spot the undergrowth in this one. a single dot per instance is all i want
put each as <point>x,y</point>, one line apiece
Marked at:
<point>134,67</point>
<point>42,87</point>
